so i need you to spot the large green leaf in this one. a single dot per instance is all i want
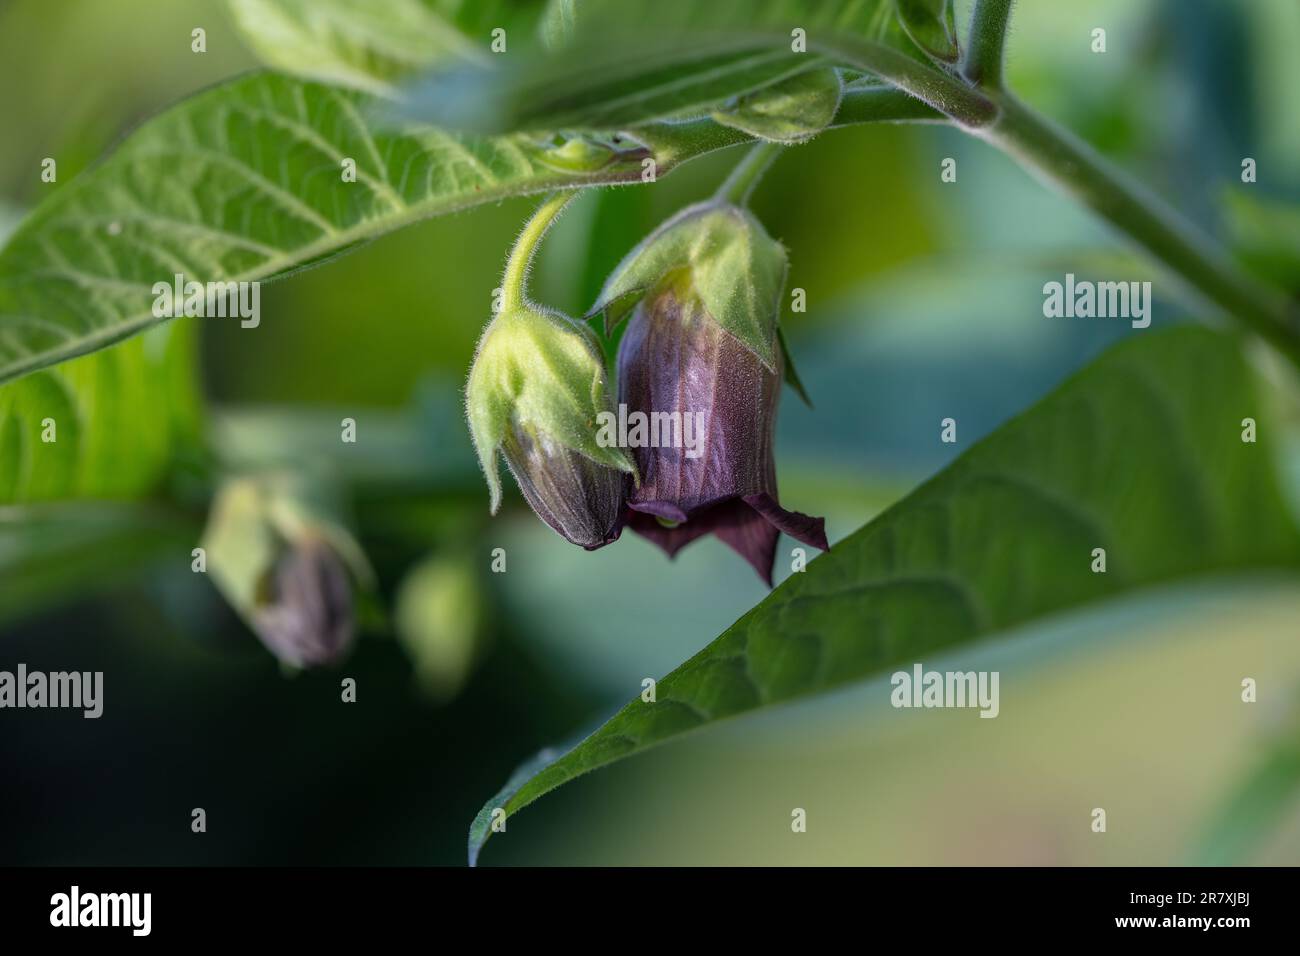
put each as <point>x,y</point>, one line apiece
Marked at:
<point>357,43</point>
<point>108,425</point>
<point>244,182</point>
<point>1140,454</point>
<point>370,44</point>
<point>655,83</point>
<point>628,62</point>
<point>121,421</point>
<point>52,550</point>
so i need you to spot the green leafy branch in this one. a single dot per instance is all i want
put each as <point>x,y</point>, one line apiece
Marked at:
<point>246,182</point>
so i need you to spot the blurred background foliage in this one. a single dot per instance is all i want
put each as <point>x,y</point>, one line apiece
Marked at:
<point>924,301</point>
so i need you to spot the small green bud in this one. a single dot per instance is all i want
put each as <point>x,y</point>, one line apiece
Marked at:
<point>439,618</point>
<point>535,393</point>
<point>590,152</point>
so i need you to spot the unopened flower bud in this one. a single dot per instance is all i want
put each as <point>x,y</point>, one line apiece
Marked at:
<point>535,393</point>
<point>578,497</point>
<point>286,567</point>
<point>304,613</point>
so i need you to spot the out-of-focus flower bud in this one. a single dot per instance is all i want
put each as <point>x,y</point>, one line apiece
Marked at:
<point>439,617</point>
<point>699,370</point>
<point>286,566</point>
<point>535,393</point>
<point>304,612</point>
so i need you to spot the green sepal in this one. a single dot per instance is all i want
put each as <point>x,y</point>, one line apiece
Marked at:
<point>729,262</point>
<point>539,370</point>
<point>791,376</point>
<point>932,27</point>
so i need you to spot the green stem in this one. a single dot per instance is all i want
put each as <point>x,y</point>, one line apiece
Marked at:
<point>740,184</point>
<point>883,104</point>
<point>1064,160</point>
<point>988,32</point>
<point>514,283</point>
<point>936,88</point>
<point>1194,259</point>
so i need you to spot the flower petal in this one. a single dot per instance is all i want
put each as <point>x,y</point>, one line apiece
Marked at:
<point>749,525</point>
<point>811,531</point>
